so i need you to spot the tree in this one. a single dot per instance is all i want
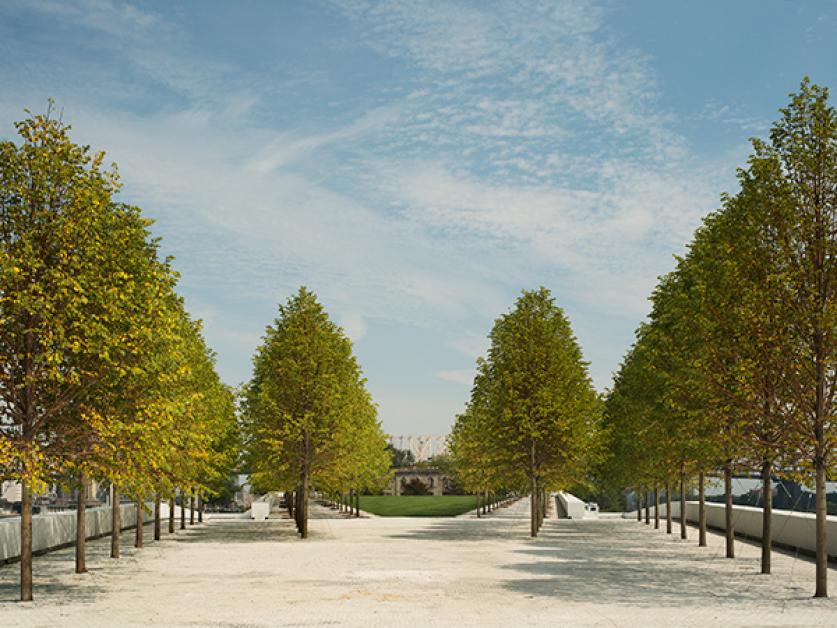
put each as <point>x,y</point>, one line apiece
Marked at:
<point>70,304</point>
<point>533,406</point>
<point>744,332</point>
<point>747,351</point>
<point>799,166</point>
<point>102,373</point>
<point>401,457</point>
<point>306,409</point>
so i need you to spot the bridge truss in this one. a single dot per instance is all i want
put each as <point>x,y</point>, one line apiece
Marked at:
<point>423,447</point>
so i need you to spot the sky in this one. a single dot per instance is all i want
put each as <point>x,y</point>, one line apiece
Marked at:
<point>417,164</point>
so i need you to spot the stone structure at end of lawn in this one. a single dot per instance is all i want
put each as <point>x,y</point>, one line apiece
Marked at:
<point>416,481</point>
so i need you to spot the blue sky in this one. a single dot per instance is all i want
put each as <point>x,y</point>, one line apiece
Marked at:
<point>417,164</point>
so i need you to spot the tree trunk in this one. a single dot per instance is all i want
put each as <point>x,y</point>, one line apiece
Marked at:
<point>822,550</point>
<point>820,353</point>
<point>192,507</point>
<point>656,508</point>
<point>116,522</point>
<point>182,510</point>
<point>533,506</point>
<point>647,507</point>
<point>298,509</point>
<point>25,542</point>
<point>140,517</point>
<point>683,504</point>
<point>81,526</point>
<point>478,504</point>
<point>766,515</point>
<point>540,508</point>
<point>701,510</point>
<point>639,504</point>
<point>304,531</point>
<point>357,503</point>
<point>157,517</point>
<point>172,502</point>
<point>668,508</point>
<point>200,507</point>
<point>729,526</point>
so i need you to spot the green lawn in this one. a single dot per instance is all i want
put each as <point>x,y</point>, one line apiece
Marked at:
<point>417,505</point>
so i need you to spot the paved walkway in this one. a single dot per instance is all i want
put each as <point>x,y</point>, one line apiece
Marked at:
<point>420,572</point>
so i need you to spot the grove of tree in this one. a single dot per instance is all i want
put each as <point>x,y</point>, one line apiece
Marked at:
<point>736,368</point>
<point>532,421</point>
<point>102,373</point>
<point>309,420</point>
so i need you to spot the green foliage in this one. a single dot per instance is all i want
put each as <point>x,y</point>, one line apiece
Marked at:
<point>737,365</point>
<point>102,373</point>
<point>414,487</point>
<point>450,473</point>
<point>307,413</point>
<point>726,367</point>
<point>533,412</point>
<point>401,457</point>
<point>88,329</point>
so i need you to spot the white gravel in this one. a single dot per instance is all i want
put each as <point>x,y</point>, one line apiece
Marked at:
<point>419,572</point>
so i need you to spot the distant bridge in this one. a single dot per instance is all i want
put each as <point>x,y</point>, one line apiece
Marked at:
<point>422,447</point>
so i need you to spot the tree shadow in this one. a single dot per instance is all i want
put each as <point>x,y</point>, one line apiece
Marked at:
<point>627,566</point>
<point>54,578</point>
<point>617,561</point>
<point>468,530</point>
<point>240,531</point>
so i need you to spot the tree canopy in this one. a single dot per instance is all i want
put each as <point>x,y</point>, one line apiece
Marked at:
<point>533,417</point>
<point>309,419</point>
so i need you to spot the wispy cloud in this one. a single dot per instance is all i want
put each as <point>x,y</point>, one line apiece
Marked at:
<point>500,146</point>
<point>471,344</point>
<point>354,326</point>
<point>457,376</point>
<point>120,19</point>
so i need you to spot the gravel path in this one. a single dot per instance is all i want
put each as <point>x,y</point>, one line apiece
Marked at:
<point>419,572</point>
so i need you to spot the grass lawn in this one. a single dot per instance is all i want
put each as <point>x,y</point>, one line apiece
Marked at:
<point>417,505</point>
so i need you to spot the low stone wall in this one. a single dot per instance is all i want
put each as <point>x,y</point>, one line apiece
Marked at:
<point>791,529</point>
<point>55,530</point>
<point>569,506</point>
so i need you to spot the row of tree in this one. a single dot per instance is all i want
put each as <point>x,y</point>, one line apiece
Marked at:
<point>532,421</point>
<point>307,416</point>
<point>103,374</point>
<point>736,368</point>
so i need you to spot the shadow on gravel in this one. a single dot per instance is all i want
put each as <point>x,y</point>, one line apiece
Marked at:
<point>50,590</point>
<point>593,561</point>
<point>241,531</point>
<point>54,577</point>
<point>465,530</point>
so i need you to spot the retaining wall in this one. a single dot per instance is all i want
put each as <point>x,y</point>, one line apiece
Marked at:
<point>569,506</point>
<point>791,529</point>
<point>54,530</point>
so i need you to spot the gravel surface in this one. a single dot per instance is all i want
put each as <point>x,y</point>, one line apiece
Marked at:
<point>419,572</point>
